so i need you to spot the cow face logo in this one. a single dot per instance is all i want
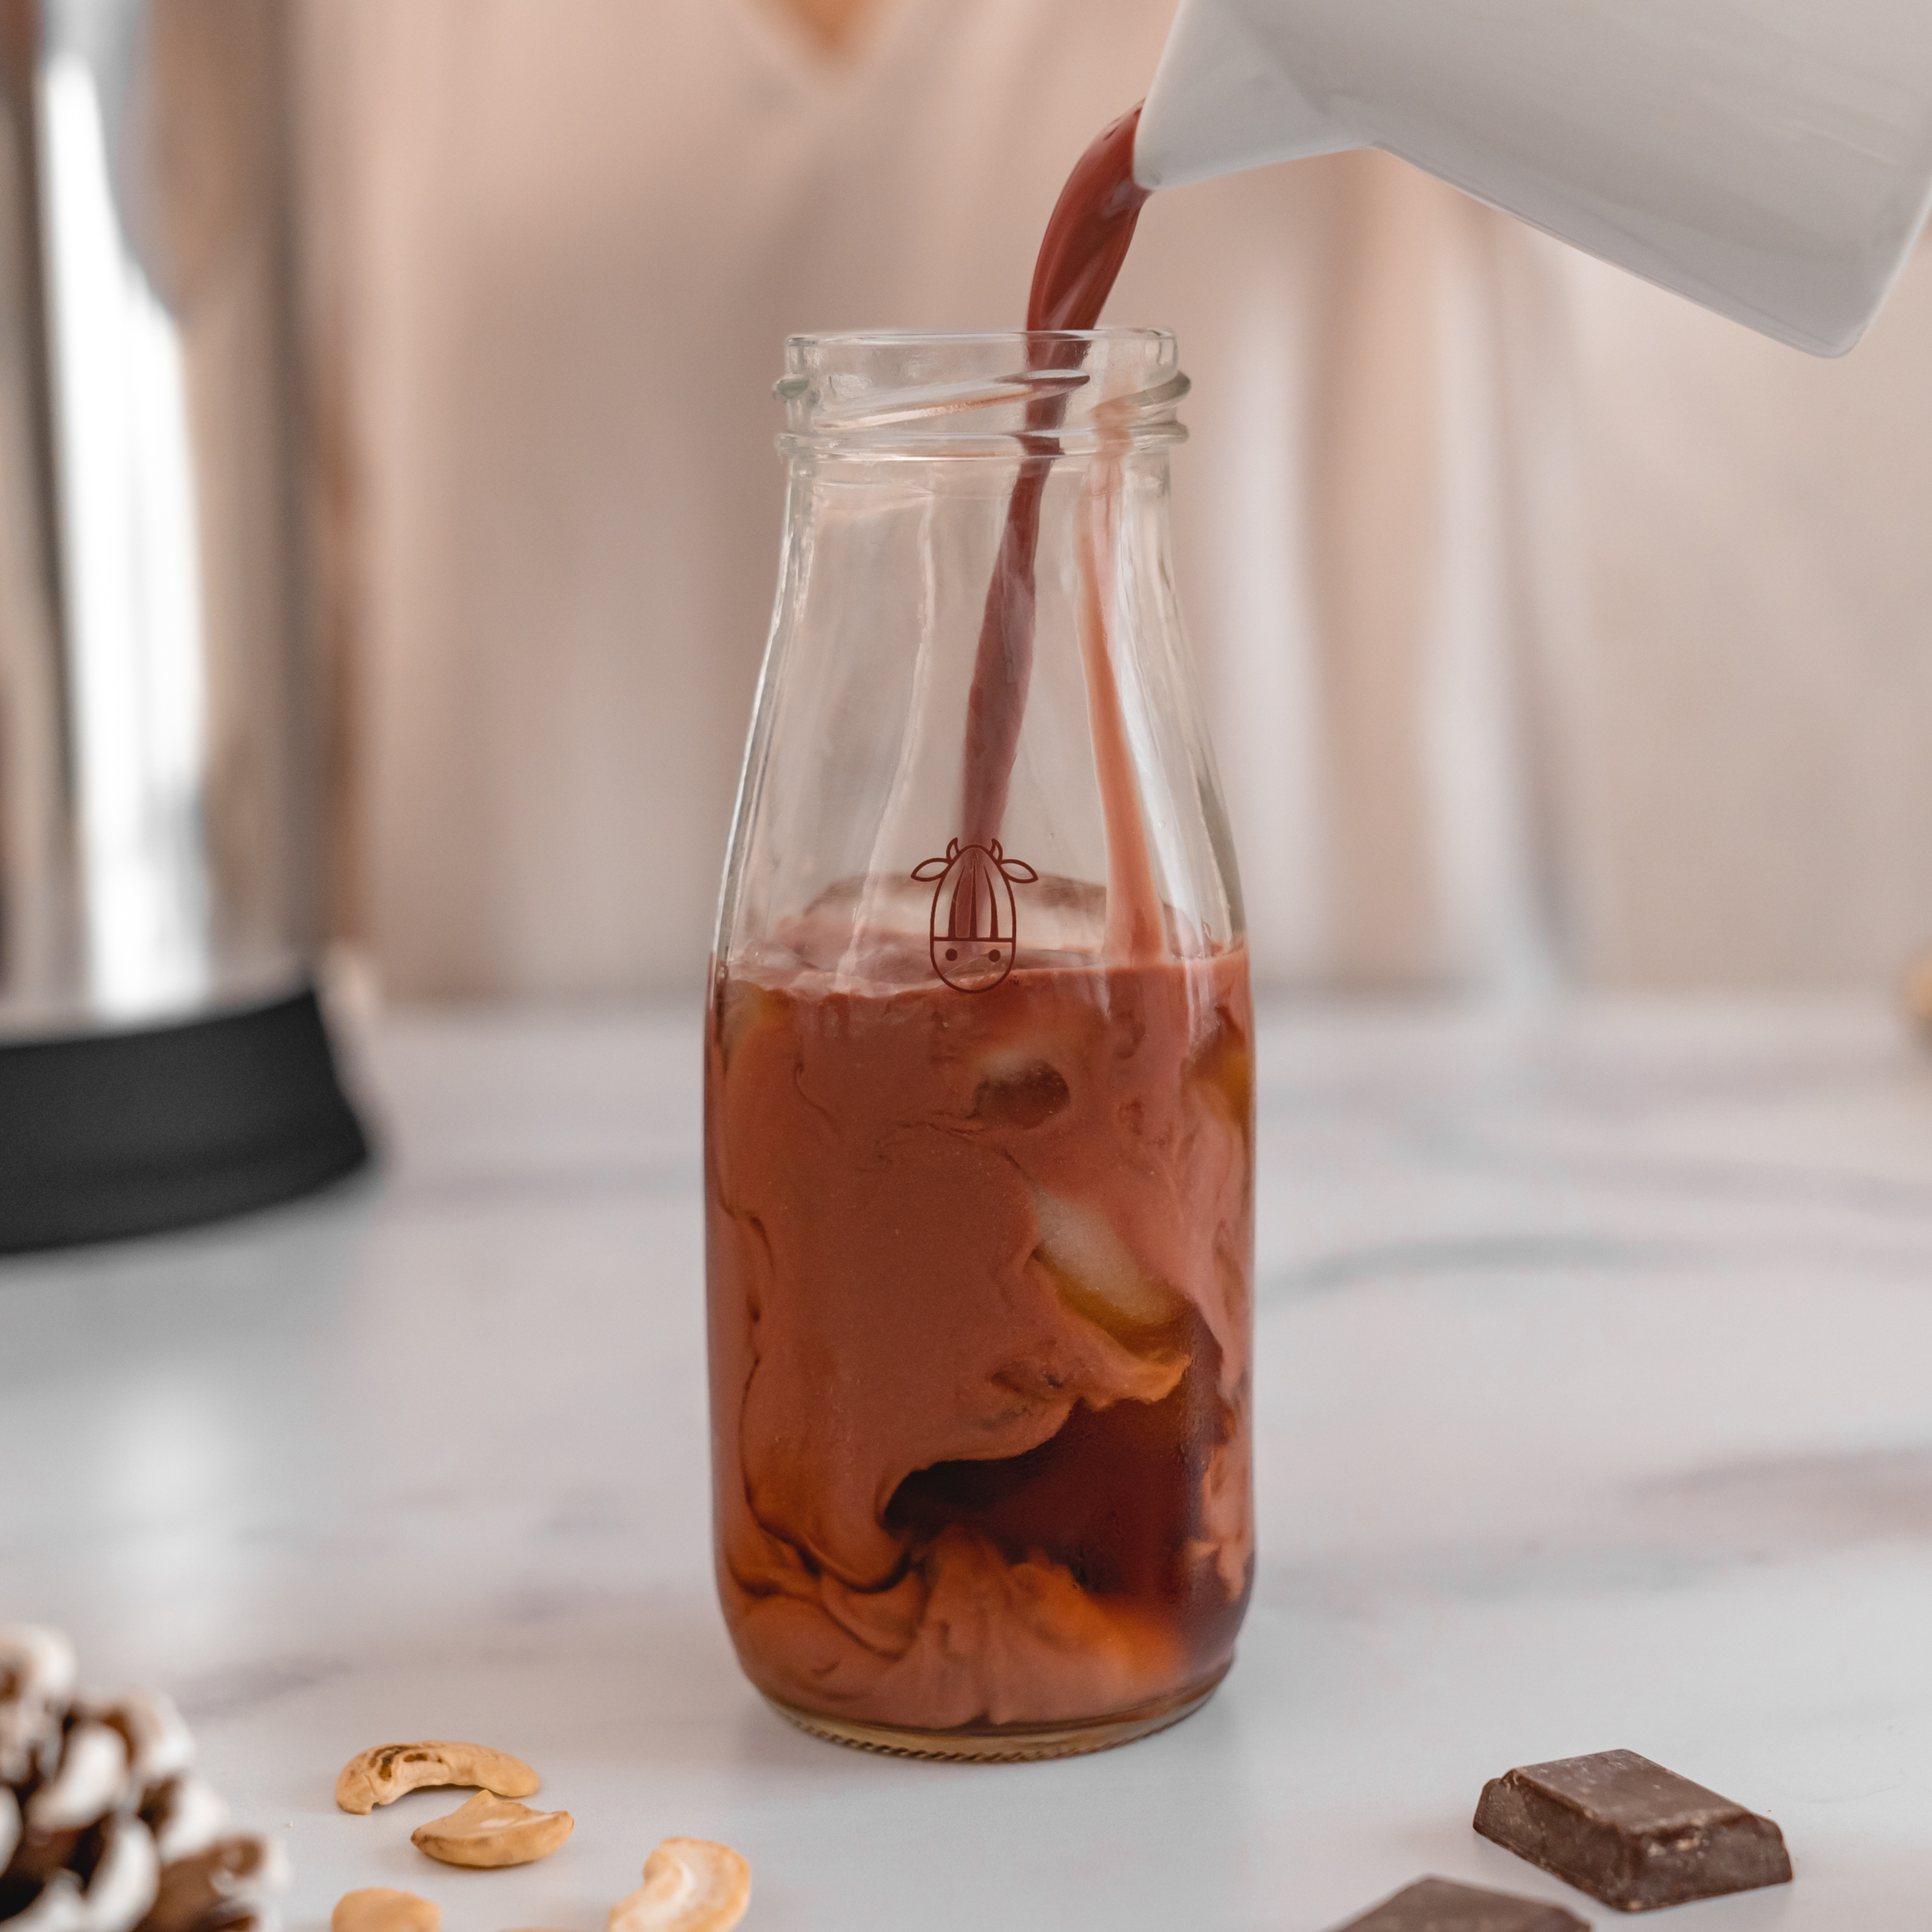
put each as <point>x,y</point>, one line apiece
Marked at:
<point>971,928</point>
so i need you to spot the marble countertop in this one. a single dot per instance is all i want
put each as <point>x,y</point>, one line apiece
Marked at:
<point>1595,1409</point>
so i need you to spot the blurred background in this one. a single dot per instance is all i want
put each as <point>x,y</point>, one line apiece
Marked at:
<point>1552,630</point>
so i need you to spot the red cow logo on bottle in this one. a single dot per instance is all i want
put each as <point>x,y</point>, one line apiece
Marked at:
<point>972,913</point>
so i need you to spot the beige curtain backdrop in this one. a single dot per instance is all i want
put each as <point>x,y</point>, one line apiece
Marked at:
<point>1546,626</point>
<point>1744,720</point>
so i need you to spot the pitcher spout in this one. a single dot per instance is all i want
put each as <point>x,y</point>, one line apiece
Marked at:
<point>1229,94</point>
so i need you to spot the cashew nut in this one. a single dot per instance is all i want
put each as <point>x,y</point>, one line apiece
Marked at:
<point>93,1775</point>
<point>491,1831</point>
<point>381,1908</point>
<point>691,1885</point>
<point>381,1774</point>
<point>36,1672</point>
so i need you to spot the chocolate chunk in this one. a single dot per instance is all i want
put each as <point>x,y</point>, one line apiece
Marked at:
<point>1439,1905</point>
<point>1629,1832</point>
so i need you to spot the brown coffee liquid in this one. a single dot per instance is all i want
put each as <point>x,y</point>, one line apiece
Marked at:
<point>980,1304</point>
<point>1086,241</point>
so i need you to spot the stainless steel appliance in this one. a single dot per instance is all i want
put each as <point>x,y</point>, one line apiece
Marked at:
<point>163,1059</point>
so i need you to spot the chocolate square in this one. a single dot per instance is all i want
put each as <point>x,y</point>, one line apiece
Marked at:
<point>1440,1905</point>
<point>1629,1832</point>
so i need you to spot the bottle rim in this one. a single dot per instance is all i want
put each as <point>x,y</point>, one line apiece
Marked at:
<point>896,338</point>
<point>995,393</point>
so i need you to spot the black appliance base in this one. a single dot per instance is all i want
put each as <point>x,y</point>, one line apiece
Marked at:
<point>104,1136</point>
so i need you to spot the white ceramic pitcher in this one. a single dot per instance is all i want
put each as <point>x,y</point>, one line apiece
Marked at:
<point>1772,159</point>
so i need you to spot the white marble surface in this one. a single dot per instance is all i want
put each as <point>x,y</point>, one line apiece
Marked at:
<point>1595,1409</point>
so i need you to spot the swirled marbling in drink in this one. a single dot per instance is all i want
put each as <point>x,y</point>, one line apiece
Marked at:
<point>981,1269</point>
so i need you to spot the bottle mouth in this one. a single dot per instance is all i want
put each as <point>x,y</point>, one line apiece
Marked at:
<point>1043,392</point>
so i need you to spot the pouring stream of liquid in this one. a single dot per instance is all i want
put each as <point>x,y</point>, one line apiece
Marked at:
<point>1086,241</point>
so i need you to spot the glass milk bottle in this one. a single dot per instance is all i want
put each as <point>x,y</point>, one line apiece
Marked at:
<point>978,1123</point>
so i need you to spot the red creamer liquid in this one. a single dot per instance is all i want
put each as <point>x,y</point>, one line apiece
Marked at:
<point>1086,241</point>
<point>981,1262</point>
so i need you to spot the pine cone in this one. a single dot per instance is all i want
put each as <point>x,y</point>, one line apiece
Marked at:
<point>103,1825</point>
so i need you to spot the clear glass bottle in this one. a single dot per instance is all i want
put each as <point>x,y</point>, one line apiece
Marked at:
<point>978,1131</point>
